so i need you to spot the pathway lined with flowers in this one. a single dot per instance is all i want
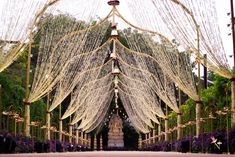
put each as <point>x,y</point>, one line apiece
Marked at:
<point>115,154</point>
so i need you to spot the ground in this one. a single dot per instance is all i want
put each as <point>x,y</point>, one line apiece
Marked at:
<point>114,154</point>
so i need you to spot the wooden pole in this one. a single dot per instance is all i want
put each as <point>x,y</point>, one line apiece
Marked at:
<point>227,118</point>
<point>70,130</point>
<point>101,142</point>
<point>140,141</point>
<point>166,125</point>
<point>82,137</point>
<point>77,133</point>
<point>1,108</point>
<point>154,133</point>
<point>85,139</point>
<point>233,79</point>
<point>70,133</point>
<point>26,103</point>
<point>198,102</point>
<point>179,118</point>
<point>233,103</point>
<point>48,118</point>
<point>233,30</point>
<point>89,141</point>
<point>60,125</point>
<point>159,130</point>
<point>205,71</point>
<point>95,142</point>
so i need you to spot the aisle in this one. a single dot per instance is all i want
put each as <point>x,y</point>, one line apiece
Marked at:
<point>115,154</point>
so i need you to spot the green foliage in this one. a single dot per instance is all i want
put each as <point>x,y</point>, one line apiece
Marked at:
<point>37,111</point>
<point>13,90</point>
<point>214,98</point>
<point>6,91</point>
<point>211,75</point>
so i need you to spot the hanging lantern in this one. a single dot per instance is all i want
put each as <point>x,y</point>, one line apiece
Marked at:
<point>113,56</point>
<point>116,82</point>
<point>116,95</point>
<point>116,71</point>
<point>114,33</point>
<point>113,2</point>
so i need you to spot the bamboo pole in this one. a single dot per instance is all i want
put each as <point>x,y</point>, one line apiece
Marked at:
<point>1,108</point>
<point>233,79</point>
<point>198,102</point>
<point>70,130</point>
<point>179,118</point>
<point>82,137</point>
<point>95,142</point>
<point>233,103</point>
<point>101,142</point>
<point>85,139</point>
<point>48,118</point>
<point>77,133</point>
<point>166,125</point>
<point>159,130</point>
<point>154,133</point>
<point>60,125</point>
<point>226,109</point>
<point>140,141</point>
<point>26,101</point>
<point>205,71</point>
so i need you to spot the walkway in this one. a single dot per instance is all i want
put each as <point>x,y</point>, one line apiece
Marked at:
<point>115,154</point>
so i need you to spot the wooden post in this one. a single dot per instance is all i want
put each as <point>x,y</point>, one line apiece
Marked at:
<point>233,103</point>
<point>82,137</point>
<point>48,118</point>
<point>179,129</point>
<point>198,117</point>
<point>166,125</point>
<point>77,133</point>
<point>95,142</point>
<point>149,134</point>
<point>205,71</point>
<point>27,118</point>
<point>26,103</point>
<point>146,139</point>
<point>1,108</point>
<point>159,130</point>
<point>154,133</point>
<point>60,125</point>
<point>179,118</point>
<point>140,142</point>
<point>70,133</point>
<point>198,102</point>
<point>233,79</point>
<point>101,142</point>
<point>85,139</point>
<point>89,141</point>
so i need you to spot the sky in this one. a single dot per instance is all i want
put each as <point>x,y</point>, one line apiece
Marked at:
<point>223,7</point>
